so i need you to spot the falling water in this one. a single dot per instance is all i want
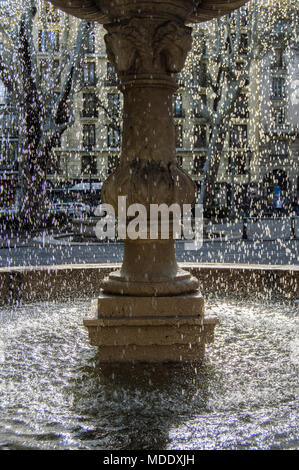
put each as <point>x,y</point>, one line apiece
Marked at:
<point>55,394</point>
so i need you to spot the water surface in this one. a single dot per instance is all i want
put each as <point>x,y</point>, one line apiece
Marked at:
<point>54,394</point>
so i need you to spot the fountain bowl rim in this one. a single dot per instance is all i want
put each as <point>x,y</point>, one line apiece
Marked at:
<point>191,11</point>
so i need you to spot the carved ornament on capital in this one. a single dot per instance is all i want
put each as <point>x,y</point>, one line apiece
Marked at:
<point>143,46</point>
<point>149,182</point>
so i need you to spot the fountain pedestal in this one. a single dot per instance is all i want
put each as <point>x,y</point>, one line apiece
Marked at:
<point>150,329</point>
<point>150,310</point>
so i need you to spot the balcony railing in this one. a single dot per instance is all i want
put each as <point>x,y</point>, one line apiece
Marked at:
<point>8,166</point>
<point>278,66</point>
<point>111,82</point>
<point>280,97</point>
<point>282,129</point>
<point>87,114</point>
<point>90,82</point>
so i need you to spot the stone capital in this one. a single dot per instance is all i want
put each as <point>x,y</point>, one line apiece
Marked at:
<point>144,46</point>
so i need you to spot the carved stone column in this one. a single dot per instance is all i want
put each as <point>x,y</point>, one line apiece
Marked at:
<point>147,54</point>
<point>150,310</point>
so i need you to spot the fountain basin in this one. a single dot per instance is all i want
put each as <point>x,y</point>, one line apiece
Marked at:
<point>263,282</point>
<point>55,394</point>
<point>129,329</point>
<point>105,11</point>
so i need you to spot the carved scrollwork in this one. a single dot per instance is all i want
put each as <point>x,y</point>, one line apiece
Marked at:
<point>149,182</point>
<point>125,43</point>
<point>173,41</point>
<point>141,47</point>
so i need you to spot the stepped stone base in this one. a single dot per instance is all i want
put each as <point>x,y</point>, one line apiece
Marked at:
<point>150,329</point>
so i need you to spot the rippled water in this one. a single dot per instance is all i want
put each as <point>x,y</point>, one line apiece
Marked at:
<point>55,394</point>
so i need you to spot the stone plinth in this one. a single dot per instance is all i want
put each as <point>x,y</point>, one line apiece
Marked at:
<point>150,329</point>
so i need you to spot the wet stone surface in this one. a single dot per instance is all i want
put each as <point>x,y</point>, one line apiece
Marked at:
<point>55,394</point>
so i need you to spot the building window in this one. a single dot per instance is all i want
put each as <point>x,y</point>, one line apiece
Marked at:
<point>238,136</point>
<point>278,87</point>
<point>279,117</point>
<point>243,14</point>
<point>198,164</point>
<point>179,136</point>
<point>8,153</point>
<point>113,161</point>
<point>200,136</point>
<point>197,103</point>
<point>279,150</point>
<point>111,75</point>
<point>241,108</point>
<point>180,79</point>
<point>178,105</point>
<point>243,43</point>
<point>89,135</point>
<point>89,165</point>
<point>49,70</point>
<point>89,105</point>
<point>237,164</point>
<point>54,40</point>
<point>43,70</point>
<point>199,75</point>
<point>241,164</point>
<point>278,58</point>
<point>48,41</point>
<point>113,104</point>
<point>42,41</point>
<point>91,42</point>
<point>3,94</point>
<point>52,13</point>
<point>113,136</point>
<point>54,168</point>
<point>89,73</point>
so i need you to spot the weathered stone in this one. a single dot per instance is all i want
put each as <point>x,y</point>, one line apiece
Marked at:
<point>74,281</point>
<point>182,306</point>
<point>149,329</point>
<point>173,353</point>
<point>147,42</point>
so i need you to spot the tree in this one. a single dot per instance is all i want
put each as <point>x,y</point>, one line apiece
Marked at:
<point>226,76</point>
<point>233,43</point>
<point>43,90</point>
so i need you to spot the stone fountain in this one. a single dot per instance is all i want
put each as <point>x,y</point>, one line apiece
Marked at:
<point>150,310</point>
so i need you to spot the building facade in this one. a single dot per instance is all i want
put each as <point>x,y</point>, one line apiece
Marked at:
<point>277,170</point>
<point>260,146</point>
